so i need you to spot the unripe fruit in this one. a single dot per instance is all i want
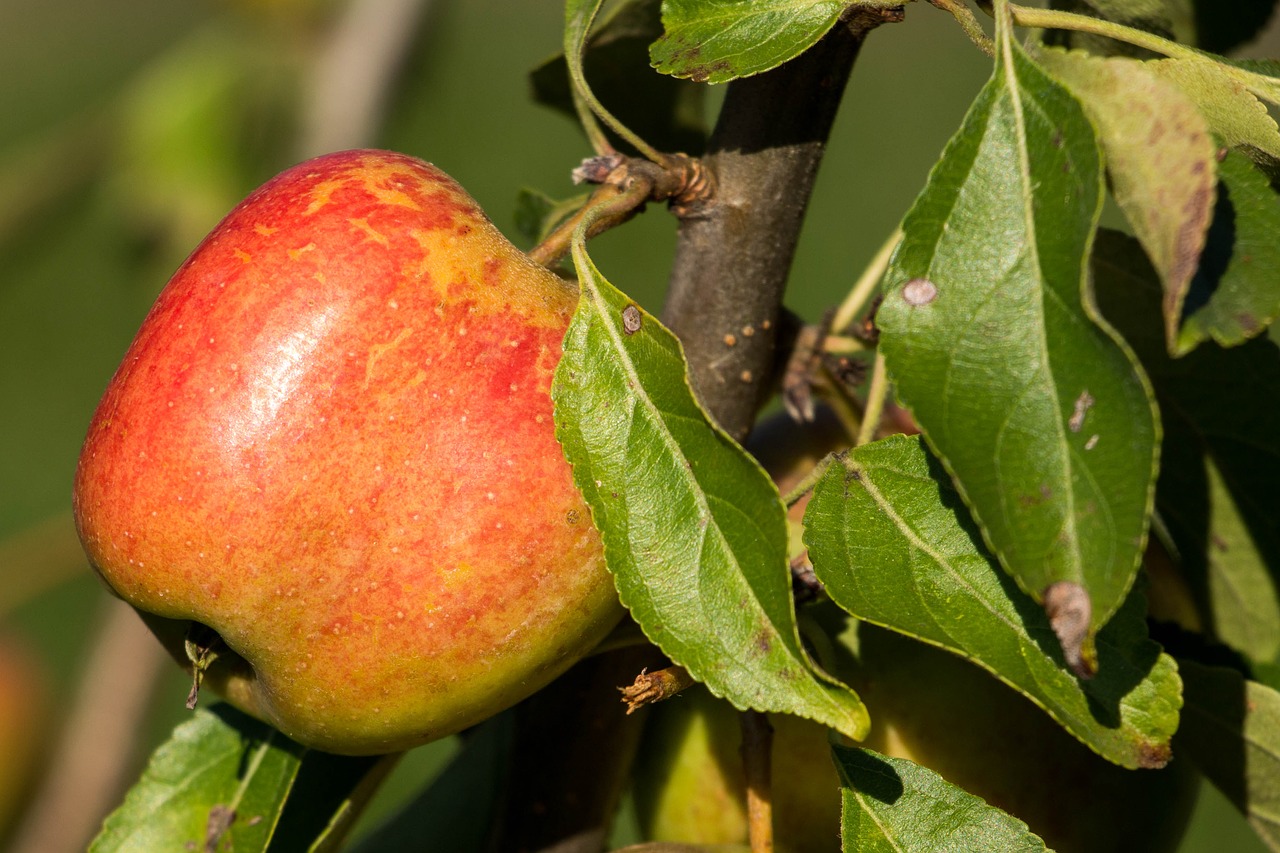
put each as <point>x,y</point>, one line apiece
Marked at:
<point>947,714</point>
<point>332,443</point>
<point>689,783</point>
<point>928,706</point>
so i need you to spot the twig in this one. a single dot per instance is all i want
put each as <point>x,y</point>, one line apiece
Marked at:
<point>99,738</point>
<point>968,23</point>
<point>866,284</point>
<point>627,184</point>
<point>757,750</point>
<point>876,394</point>
<point>802,367</point>
<point>571,758</point>
<point>348,91</point>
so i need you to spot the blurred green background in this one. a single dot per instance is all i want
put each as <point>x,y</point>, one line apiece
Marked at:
<point>131,126</point>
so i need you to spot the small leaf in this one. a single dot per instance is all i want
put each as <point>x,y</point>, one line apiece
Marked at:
<point>1231,730</point>
<point>457,810</point>
<point>579,15</point>
<point>537,214</point>
<point>1236,293</point>
<point>1037,408</point>
<point>669,113</point>
<point>693,529</point>
<point>219,783</point>
<point>897,806</point>
<point>1159,155</point>
<point>894,546</point>
<point>714,41</point>
<point>1216,491</point>
<point>1242,590</point>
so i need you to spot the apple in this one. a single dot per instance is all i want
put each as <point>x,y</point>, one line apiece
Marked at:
<point>925,705</point>
<point>688,785</point>
<point>327,470</point>
<point>945,713</point>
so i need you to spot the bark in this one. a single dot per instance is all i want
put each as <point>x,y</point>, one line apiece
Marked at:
<point>734,251</point>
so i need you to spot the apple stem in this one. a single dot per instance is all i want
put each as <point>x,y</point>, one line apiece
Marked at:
<point>876,396</point>
<point>757,749</point>
<point>810,480</point>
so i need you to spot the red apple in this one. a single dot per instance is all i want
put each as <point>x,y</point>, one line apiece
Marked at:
<point>332,444</point>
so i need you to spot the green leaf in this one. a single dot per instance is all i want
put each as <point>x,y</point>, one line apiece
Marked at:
<point>1235,115</point>
<point>714,41</point>
<point>1242,592</point>
<point>222,782</point>
<point>1231,730</point>
<point>458,810</point>
<point>1216,492</point>
<point>1036,407</point>
<point>893,545</point>
<point>693,529</point>
<point>1260,76</point>
<point>579,15</point>
<point>669,113</point>
<point>1159,155</point>
<point>537,214</point>
<point>897,806</point>
<point>1236,292</point>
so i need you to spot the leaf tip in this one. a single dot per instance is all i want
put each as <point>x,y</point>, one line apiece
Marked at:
<point>1153,756</point>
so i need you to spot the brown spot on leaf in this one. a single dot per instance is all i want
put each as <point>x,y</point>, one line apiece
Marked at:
<point>631,319</point>
<point>1153,756</point>
<point>1069,610</point>
<point>220,819</point>
<point>1028,501</point>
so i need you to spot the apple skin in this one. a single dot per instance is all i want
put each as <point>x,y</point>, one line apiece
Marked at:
<point>688,786</point>
<point>928,706</point>
<point>945,713</point>
<point>332,443</point>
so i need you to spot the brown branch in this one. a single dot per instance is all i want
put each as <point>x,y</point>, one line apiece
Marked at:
<point>734,252</point>
<point>347,93</point>
<point>97,743</point>
<point>757,764</point>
